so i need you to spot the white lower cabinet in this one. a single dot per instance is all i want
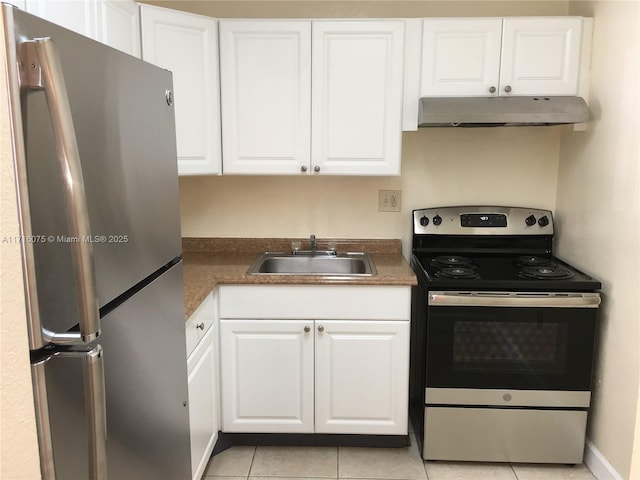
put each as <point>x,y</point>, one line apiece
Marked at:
<point>361,372</point>
<point>297,374</point>
<point>267,376</point>
<point>203,391</point>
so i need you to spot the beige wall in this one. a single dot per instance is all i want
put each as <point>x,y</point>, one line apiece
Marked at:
<point>364,8</point>
<point>598,210</point>
<point>514,166</point>
<point>18,444</point>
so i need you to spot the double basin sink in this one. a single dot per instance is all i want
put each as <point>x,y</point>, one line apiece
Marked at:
<point>351,264</point>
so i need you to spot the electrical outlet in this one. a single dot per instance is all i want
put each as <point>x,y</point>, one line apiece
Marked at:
<point>389,200</point>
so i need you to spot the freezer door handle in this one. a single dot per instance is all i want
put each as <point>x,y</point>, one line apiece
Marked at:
<point>41,69</point>
<point>95,406</point>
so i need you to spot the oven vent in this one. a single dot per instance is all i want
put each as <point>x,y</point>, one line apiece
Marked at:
<point>501,111</point>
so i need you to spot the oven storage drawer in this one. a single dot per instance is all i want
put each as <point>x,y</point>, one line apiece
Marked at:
<point>504,435</point>
<point>498,397</point>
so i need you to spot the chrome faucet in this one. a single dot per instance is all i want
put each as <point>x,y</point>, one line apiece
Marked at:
<point>314,243</point>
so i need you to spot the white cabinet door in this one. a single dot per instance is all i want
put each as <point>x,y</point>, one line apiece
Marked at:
<point>21,4</point>
<point>357,97</point>
<point>203,412</point>
<point>265,69</point>
<point>461,56</point>
<point>120,25</point>
<point>541,56</point>
<point>267,376</point>
<point>79,16</point>
<point>362,377</point>
<point>187,44</point>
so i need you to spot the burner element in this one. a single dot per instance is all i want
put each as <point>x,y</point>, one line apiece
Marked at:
<point>545,272</point>
<point>533,261</point>
<point>458,273</point>
<point>451,261</point>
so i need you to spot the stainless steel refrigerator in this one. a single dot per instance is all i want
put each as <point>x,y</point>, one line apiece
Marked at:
<point>95,156</point>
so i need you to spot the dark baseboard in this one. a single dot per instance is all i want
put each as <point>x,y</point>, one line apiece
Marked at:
<point>228,440</point>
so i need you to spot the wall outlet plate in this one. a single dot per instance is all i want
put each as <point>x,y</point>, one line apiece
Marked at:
<point>389,200</point>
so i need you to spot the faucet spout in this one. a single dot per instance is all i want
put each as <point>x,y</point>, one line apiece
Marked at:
<point>314,243</point>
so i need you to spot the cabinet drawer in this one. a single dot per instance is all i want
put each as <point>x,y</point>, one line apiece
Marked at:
<point>199,323</point>
<point>370,302</point>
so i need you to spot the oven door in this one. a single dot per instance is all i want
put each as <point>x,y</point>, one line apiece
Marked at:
<point>509,340</point>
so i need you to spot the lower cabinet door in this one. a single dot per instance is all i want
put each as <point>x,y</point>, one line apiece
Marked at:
<point>203,416</point>
<point>267,379</point>
<point>362,377</point>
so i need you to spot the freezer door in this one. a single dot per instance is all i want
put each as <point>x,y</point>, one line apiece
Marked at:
<point>123,116</point>
<point>145,376</point>
<point>94,403</point>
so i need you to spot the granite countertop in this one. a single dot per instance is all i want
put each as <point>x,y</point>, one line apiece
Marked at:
<point>209,262</point>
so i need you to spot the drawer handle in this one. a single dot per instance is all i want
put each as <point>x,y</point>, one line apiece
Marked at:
<point>200,326</point>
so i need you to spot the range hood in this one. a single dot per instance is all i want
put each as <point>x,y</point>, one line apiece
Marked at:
<point>501,111</point>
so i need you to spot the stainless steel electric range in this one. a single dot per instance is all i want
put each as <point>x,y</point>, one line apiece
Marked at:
<point>502,338</point>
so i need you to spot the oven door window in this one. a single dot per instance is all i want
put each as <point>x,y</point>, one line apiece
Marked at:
<point>498,347</point>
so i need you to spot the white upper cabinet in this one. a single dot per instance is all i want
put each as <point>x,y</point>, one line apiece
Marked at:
<point>113,22</point>
<point>495,56</point>
<point>266,101</point>
<point>119,25</point>
<point>461,56</point>
<point>312,97</point>
<point>541,55</point>
<point>357,97</point>
<point>81,17</point>
<point>187,45</point>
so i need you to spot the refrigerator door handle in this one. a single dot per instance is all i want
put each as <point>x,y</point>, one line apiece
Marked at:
<point>95,405</point>
<point>41,69</point>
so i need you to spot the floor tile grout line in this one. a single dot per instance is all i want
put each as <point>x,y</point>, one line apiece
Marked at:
<point>255,450</point>
<point>515,474</point>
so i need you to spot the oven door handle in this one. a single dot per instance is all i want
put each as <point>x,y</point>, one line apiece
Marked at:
<point>515,299</point>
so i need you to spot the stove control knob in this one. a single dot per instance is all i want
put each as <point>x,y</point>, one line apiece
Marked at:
<point>437,220</point>
<point>543,221</point>
<point>530,220</point>
<point>424,221</point>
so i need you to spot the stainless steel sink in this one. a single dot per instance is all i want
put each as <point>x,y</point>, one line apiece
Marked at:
<point>317,263</point>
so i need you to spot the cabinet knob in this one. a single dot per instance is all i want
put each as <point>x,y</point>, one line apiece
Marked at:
<point>507,88</point>
<point>303,168</point>
<point>316,169</point>
<point>492,89</point>
<point>307,328</point>
<point>320,328</point>
<point>200,326</point>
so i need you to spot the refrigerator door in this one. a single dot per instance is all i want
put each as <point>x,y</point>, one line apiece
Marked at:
<point>123,115</point>
<point>145,376</point>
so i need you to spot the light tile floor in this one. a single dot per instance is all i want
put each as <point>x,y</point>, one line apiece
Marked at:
<point>346,463</point>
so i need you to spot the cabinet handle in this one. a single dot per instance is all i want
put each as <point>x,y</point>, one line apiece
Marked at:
<point>492,89</point>
<point>316,169</point>
<point>200,326</point>
<point>307,328</point>
<point>303,168</point>
<point>320,328</point>
<point>507,88</point>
